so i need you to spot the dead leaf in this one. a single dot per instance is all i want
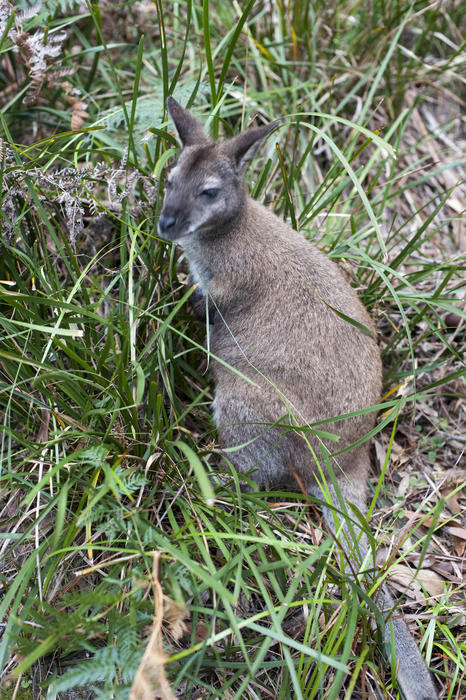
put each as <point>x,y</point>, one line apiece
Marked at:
<point>401,577</point>
<point>403,486</point>
<point>431,581</point>
<point>405,581</point>
<point>43,432</point>
<point>447,574</point>
<point>79,112</point>
<point>459,532</point>
<point>454,478</point>
<point>202,631</point>
<point>456,617</point>
<point>397,449</point>
<point>398,454</point>
<point>452,529</point>
<point>175,617</point>
<point>452,502</point>
<point>150,680</point>
<point>380,453</point>
<point>460,546</point>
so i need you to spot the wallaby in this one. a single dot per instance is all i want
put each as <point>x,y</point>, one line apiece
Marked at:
<point>287,356</point>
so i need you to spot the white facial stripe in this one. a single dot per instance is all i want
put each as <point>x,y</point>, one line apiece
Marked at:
<point>173,172</point>
<point>212,183</point>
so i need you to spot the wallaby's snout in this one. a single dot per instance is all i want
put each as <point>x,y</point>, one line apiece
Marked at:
<point>174,218</point>
<point>166,224</point>
<point>178,214</point>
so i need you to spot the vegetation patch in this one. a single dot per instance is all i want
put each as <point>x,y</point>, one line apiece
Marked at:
<point>120,567</point>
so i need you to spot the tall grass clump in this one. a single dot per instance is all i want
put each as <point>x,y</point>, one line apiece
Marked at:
<point>120,564</point>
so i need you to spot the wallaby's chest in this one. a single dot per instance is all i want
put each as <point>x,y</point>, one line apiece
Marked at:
<point>197,277</point>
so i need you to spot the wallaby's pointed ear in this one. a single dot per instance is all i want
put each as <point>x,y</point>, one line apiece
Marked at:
<point>190,131</point>
<point>242,148</point>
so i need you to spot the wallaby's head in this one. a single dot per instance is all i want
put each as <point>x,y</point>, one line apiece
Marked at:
<point>205,189</point>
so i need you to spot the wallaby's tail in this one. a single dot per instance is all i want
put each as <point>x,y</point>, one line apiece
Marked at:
<point>413,676</point>
<point>412,673</point>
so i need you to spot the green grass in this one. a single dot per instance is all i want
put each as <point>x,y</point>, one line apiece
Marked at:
<point>106,436</point>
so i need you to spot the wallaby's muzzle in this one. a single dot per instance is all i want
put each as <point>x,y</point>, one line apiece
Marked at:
<point>166,225</point>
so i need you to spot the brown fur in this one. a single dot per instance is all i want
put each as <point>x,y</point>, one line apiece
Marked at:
<point>273,297</point>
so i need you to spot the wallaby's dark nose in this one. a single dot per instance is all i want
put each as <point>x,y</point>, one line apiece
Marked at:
<point>166,222</point>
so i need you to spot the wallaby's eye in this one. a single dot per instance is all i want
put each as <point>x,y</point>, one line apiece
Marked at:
<point>210,193</point>
<point>168,184</point>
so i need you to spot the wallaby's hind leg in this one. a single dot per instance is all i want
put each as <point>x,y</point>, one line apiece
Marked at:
<point>257,449</point>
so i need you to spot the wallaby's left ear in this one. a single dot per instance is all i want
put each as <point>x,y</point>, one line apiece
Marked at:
<point>242,148</point>
<point>190,131</point>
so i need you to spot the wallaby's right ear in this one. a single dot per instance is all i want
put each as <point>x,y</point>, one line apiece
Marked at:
<point>242,148</point>
<point>190,131</point>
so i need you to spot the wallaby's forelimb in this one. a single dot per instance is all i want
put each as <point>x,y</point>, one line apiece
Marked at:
<point>202,306</point>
